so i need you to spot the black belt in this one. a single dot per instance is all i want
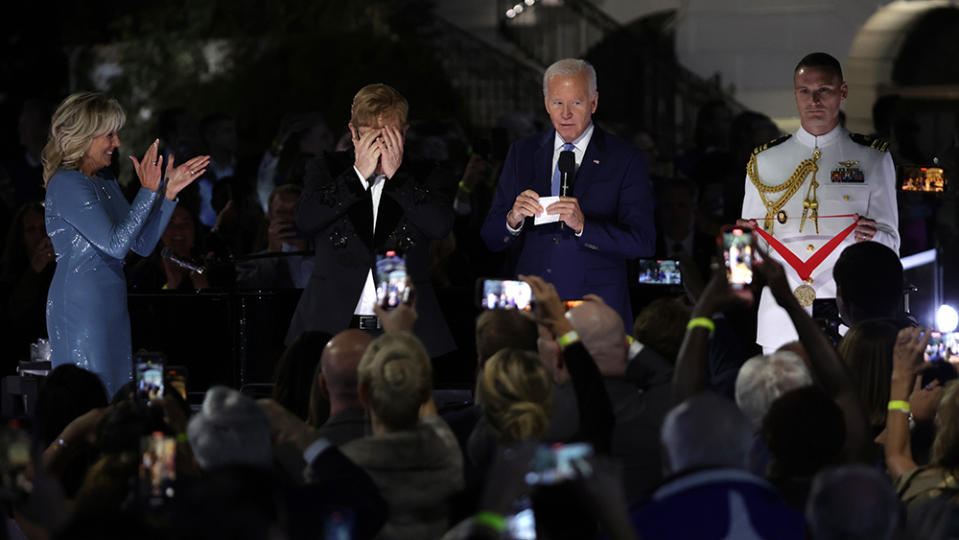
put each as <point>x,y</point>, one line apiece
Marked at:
<point>366,322</point>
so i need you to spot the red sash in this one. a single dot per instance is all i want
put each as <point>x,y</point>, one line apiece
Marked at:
<point>805,269</point>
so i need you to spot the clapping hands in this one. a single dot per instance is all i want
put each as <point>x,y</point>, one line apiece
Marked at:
<point>148,171</point>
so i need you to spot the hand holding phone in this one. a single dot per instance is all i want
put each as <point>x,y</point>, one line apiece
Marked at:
<point>738,250</point>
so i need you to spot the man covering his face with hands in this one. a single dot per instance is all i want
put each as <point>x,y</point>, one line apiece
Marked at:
<point>359,204</point>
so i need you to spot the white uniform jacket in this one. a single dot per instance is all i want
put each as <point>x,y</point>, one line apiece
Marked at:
<point>855,175</point>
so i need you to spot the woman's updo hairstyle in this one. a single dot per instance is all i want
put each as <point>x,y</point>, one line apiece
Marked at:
<point>398,377</point>
<point>516,392</point>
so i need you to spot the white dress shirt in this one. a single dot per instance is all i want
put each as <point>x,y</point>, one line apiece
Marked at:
<point>368,298</point>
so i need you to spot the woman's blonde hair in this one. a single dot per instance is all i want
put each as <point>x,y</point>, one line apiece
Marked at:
<point>945,447</point>
<point>398,377</point>
<point>80,118</point>
<point>516,392</point>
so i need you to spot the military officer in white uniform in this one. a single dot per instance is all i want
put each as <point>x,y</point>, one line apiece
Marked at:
<point>796,184</point>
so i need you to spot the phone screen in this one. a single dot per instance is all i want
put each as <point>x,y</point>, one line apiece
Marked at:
<point>659,272</point>
<point>506,294</point>
<point>391,288</point>
<point>942,347</point>
<point>553,464</point>
<point>922,179</point>
<point>157,470</point>
<point>148,370</point>
<point>738,256</point>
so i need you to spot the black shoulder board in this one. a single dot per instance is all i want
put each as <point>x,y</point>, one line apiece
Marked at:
<point>875,143</point>
<point>770,144</point>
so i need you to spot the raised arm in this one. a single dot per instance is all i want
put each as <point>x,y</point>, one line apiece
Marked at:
<point>596,417</point>
<point>75,199</point>
<point>823,361</point>
<point>691,375</point>
<point>177,178</point>
<point>906,359</point>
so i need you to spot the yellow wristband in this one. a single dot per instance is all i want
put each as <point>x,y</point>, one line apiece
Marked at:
<point>182,438</point>
<point>702,322</point>
<point>567,339</point>
<point>898,405</point>
<point>465,189</point>
<point>491,520</point>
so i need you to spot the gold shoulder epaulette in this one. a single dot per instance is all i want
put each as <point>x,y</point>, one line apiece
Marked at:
<point>770,144</point>
<point>876,143</point>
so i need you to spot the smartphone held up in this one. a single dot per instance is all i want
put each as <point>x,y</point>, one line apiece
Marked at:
<point>148,370</point>
<point>392,287</point>
<point>504,294</point>
<point>738,250</point>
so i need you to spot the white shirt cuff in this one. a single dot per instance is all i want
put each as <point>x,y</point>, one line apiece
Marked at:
<point>515,231</point>
<point>580,233</point>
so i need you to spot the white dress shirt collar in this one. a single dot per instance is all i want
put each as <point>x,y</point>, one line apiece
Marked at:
<point>821,141</point>
<point>580,144</point>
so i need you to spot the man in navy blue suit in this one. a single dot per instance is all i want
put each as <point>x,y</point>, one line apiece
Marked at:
<point>606,220</point>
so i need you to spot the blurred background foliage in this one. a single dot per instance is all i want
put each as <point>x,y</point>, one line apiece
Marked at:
<point>255,60</point>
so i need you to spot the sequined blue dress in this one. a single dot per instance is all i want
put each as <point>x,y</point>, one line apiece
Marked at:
<point>92,227</point>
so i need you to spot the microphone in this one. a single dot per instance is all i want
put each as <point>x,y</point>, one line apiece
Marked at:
<point>168,254</point>
<point>567,170</point>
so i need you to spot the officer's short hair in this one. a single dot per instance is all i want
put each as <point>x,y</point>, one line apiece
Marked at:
<point>820,60</point>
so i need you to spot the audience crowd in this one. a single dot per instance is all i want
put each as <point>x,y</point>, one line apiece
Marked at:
<point>562,426</point>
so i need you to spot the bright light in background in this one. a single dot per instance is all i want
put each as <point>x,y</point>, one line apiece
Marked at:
<point>514,11</point>
<point>947,319</point>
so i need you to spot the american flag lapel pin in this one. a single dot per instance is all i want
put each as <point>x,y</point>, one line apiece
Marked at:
<point>596,161</point>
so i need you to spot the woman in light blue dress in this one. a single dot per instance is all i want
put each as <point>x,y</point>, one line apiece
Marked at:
<point>92,227</point>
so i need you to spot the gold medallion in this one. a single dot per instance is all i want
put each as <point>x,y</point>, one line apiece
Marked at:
<point>805,294</point>
<point>781,217</point>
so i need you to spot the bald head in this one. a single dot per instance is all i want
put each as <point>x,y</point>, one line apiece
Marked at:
<point>601,330</point>
<point>339,362</point>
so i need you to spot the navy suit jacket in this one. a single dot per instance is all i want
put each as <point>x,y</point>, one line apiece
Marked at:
<point>614,193</point>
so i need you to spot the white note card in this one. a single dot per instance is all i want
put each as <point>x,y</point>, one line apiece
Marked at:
<point>544,217</point>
